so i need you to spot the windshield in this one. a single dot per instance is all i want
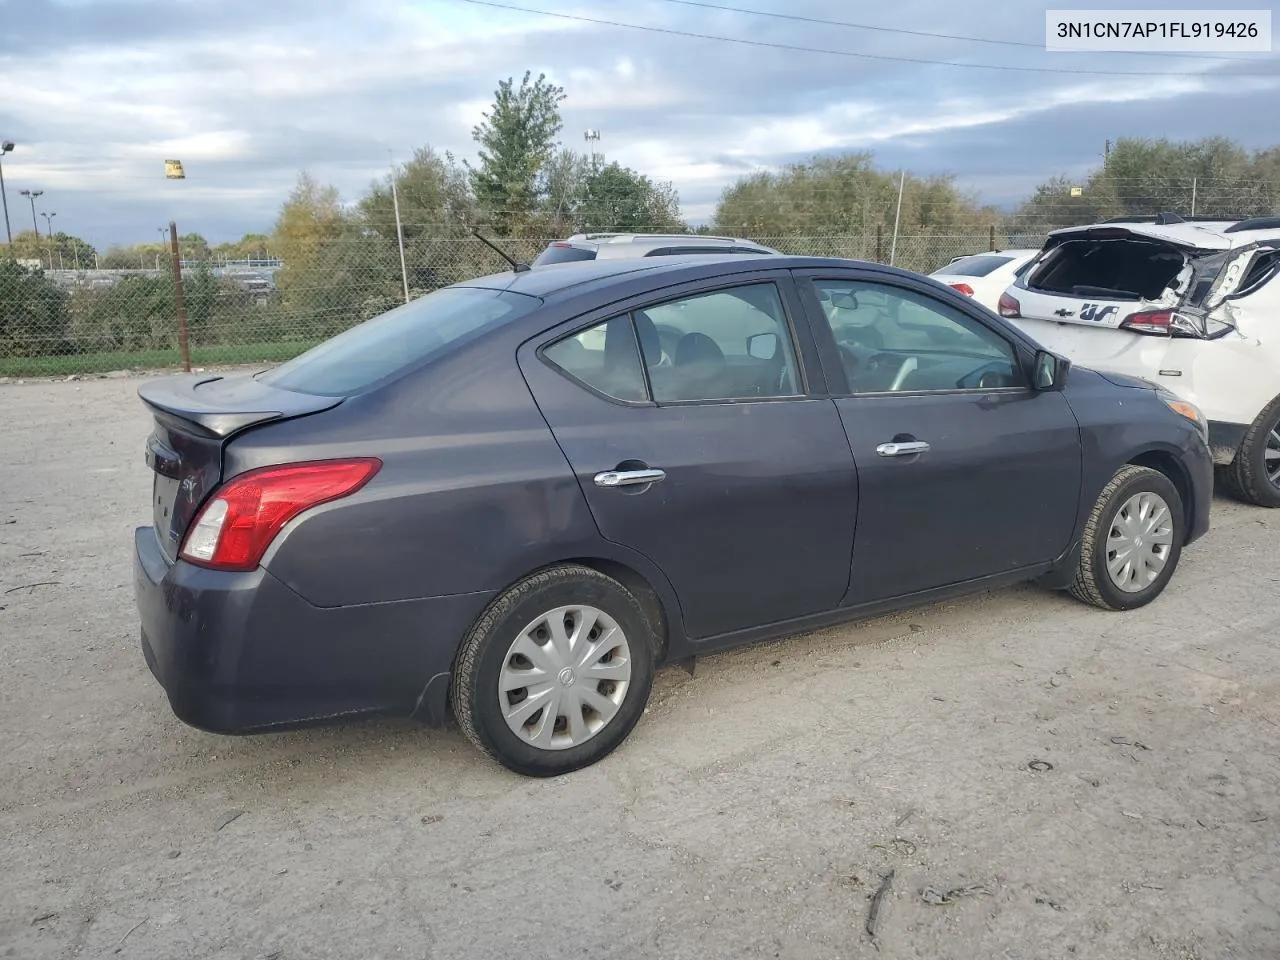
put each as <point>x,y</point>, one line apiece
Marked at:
<point>360,357</point>
<point>978,266</point>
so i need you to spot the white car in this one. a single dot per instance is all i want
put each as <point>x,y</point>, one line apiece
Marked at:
<point>984,276</point>
<point>1189,305</point>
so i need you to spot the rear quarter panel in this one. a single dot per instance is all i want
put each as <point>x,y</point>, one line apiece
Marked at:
<point>472,489</point>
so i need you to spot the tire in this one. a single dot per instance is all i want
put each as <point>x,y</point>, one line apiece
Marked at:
<point>1246,477</point>
<point>1094,582</point>
<point>546,745</point>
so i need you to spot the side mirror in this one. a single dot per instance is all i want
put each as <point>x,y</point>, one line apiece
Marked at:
<point>763,346</point>
<point>1049,372</point>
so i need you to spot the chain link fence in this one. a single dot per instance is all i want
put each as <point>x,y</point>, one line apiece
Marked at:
<point>70,321</point>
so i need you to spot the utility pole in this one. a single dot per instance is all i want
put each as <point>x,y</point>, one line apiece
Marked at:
<point>395,205</point>
<point>897,217</point>
<point>48,222</point>
<point>5,147</point>
<point>31,195</point>
<point>178,300</point>
<point>1194,183</point>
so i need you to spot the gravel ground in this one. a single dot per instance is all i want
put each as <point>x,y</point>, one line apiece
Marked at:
<point>1039,779</point>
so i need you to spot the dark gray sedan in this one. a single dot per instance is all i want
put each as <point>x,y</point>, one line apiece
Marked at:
<point>511,499</point>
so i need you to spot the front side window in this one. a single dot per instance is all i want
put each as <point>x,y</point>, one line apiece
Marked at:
<point>728,345</point>
<point>892,340</point>
<point>732,344</point>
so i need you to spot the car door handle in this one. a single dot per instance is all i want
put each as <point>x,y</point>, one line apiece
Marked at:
<point>902,448</point>
<point>628,478</point>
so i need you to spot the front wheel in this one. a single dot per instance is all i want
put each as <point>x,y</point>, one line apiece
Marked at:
<point>1132,541</point>
<point>554,675</point>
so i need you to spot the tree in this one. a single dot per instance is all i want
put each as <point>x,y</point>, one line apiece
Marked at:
<point>252,246</point>
<point>833,206</point>
<point>517,138</point>
<point>139,256</point>
<point>1053,205</point>
<point>311,217</point>
<point>329,266</point>
<point>436,209</point>
<point>62,250</point>
<point>618,198</point>
<point>34,316</point>
<point>563,184</point>
<point>193,246</point>
<point>1213,176</point>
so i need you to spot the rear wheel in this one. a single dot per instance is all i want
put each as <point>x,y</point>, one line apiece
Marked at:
<point>1254,475</point>
<point>1132,541</point>
<point>554,675</point>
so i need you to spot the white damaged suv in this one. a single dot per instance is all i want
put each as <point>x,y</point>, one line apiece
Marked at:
<point>1192,305</point>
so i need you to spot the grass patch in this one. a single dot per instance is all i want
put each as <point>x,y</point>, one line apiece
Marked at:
<point>103,362</point>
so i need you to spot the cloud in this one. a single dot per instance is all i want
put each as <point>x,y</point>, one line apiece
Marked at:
<point>99,92</point>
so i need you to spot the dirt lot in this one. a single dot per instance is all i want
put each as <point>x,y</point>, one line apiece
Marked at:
<point>754,811</point>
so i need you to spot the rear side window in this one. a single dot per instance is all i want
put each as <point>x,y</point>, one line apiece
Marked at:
<point>605,358</point>
<point>429,326</point>
<point>563,253</point>
<point>978,266</point>
<point>1264,268</point>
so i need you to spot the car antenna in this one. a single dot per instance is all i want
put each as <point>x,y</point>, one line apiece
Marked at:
<point>516,265</point>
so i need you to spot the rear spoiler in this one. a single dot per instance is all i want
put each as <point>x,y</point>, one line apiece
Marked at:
<point>220,406</point>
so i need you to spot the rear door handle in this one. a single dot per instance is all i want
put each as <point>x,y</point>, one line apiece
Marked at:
<point>902,448</point>
<point>628,478</point>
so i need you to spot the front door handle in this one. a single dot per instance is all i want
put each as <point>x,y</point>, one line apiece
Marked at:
<point>628,478</point>
<point>902,448</point>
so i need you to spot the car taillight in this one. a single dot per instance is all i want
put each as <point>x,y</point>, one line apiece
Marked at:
<point>1154,322</point>
<point>239,521</point>
<point>1164,323</point>
<point>1009,307</point>
<point>963,288</point>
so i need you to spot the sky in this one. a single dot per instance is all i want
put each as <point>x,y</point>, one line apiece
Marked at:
<point>98,93</point>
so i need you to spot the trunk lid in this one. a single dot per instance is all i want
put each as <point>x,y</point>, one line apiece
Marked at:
<point>1101,276</point>
<point>195,416</point>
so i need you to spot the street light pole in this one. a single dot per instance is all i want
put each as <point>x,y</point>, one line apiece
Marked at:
<point>5,147</point>
<point>48,223</point>
<point>31,195</point>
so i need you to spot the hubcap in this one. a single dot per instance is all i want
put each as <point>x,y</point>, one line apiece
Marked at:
<point>1139,543</point>
<point>1271,457</point>
<point>564,677</point>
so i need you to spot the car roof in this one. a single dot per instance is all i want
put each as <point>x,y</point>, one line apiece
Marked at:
<point>1201,234</point>
<point>555,281</point>
<point>654,238</point>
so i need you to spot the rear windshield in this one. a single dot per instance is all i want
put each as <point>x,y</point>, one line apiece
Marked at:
<point>978,266</point>
<point>563,253</point>
<point>387,344</point>
<point>1109,269</point>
